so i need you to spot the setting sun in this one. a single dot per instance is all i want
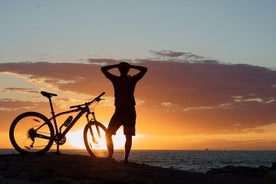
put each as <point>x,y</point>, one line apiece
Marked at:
<point>119,139</point>
<point>75,139</point>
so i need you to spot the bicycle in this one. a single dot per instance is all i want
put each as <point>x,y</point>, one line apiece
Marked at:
<point>32,132</point>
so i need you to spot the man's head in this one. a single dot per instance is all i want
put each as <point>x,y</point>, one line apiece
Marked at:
<point>123,68</point>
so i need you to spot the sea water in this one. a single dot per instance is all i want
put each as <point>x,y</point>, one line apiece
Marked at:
<point>202,161</point>
<point>196,161</point>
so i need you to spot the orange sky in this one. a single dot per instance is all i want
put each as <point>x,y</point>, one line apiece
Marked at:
<point>179,105</point>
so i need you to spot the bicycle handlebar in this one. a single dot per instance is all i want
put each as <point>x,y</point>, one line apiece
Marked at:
<point>98,98</point>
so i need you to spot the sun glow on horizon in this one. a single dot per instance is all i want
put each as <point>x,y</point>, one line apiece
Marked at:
<point>75,139</point>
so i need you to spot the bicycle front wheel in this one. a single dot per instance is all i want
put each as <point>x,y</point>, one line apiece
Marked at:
<point>31,132</point>
<point>94,139</point>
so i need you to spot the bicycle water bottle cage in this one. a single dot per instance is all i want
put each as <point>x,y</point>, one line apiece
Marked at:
<point>48,95</point>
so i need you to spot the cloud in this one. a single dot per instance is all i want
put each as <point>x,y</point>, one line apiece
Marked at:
<point>168,53</point>
<point>11,108</point>
<point>198,97</point>
<point>181,56</point>
<point>203,94</point>
<point>102,61</point>
<point>60,75</point>
<point>166,104</point>
<point>17,90</point>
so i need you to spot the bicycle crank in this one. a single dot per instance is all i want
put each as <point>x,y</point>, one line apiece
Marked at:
<point>59,139</point>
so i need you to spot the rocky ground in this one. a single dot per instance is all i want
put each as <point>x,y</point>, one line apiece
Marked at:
<point>65,168</point>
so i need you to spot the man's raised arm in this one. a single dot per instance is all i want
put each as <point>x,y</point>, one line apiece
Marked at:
<point>106,68</point>
<point>142,70</point>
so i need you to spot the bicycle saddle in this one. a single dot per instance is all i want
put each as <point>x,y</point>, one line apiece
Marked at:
<point>48,95</point>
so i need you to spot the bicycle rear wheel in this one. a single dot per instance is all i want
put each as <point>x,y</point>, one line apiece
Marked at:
<point>31,132</point>
<point>94,139</point>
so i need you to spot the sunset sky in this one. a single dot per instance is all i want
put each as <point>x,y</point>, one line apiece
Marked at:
<point>211,80</point>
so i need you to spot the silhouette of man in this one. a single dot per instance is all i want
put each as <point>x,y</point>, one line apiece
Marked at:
<point>125,113</point>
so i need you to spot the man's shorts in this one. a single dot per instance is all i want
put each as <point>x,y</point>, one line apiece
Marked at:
<point>125,117</point>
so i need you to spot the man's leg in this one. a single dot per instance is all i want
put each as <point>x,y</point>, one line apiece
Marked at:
<point>111,130</point>
<point>127,147</point>
<point>109,144</point>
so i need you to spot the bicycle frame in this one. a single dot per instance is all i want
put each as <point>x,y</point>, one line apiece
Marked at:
<point>82,109</point>
<point>28,126</point>
<point>78,116</point>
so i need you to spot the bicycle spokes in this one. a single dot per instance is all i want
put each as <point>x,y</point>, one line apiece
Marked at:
<point>94,139</point>
<point>31,132</point>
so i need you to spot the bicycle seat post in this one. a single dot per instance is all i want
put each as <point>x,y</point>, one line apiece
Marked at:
<point>49,95</point>
<point>53,115</point>
<point>51,106</point>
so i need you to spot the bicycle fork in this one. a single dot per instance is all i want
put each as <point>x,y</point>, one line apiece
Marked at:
<point>97,128</point>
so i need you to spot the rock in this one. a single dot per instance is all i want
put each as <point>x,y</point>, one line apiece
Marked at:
<point>64,168</point>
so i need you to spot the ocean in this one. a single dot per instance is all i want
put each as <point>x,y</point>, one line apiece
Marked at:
<point>196,161</point>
